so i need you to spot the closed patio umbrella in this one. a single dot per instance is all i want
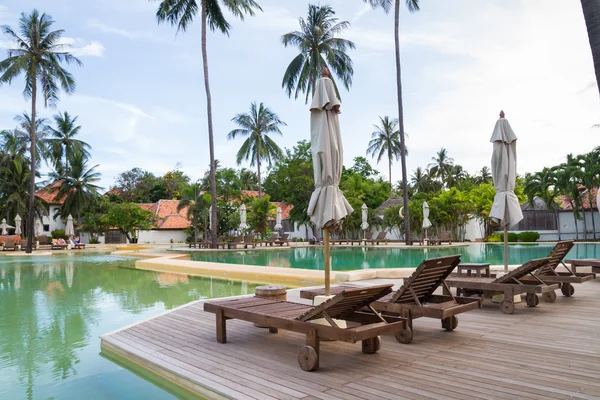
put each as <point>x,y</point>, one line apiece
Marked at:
<point>4,226</point>
<point>327,207</point>
<point>69,229</point>
<point>505,209</point>
<point>278,225</point>
<point>243,224</point>
<point>18,225</point>
<point>209,220</point>
<point>426,221</point>
<point>38,227</point>
<point>365,218</point>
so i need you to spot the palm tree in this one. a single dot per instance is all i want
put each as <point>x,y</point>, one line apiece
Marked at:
<point>442,166</point>
<point>413,6</point>
<point>567,183</point>
<point>590,178</point>
<point>591,13</point>
<point>386,141</point>
<point>258,146</point>
<point>249,179</point>
<point>543,184</point>
<point>41,136</point>
<point>319,47</point>
<point>78,187</point>
<point>13,145</point>
<point>63,142</point>
<point>485,175</point>
<point>197,210</point>
<point>38,57</point>
<point>181,13</point>
<point>421,181</point>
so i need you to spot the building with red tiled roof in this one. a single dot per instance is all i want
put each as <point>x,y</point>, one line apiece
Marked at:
<point>49,194</point>
<point>565,201</point>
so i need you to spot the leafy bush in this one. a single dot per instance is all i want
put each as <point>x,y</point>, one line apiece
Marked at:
<point>94,241</point>
<point>499,237</point>
<point>529,236</point>
<point>59,234</point>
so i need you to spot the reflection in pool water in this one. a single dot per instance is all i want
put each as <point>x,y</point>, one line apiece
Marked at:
<point>352,258</point>
<point>52,310</point>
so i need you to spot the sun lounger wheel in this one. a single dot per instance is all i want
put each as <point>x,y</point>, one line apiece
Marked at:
<point>567,289</point>
<point>508,306</point>
<point>450,323</point>
<point>404,336</point>
<point>549,297</point>
<point>371,346</point>
<point>532,299</point>
<point>308,358</point>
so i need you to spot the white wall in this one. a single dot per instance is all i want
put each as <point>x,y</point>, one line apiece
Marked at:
<point>49,220</point>
<point>567,225</point>
<point>474,230</point>
<point>160,236</point>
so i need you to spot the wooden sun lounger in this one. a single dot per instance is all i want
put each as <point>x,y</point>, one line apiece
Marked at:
<point>510,285</point>
<point>59,246</point>
<point>548,272</point>
<point>248,241</point>
<point>415,298</point>
<point>380,238</point>
<point>79,246</point>
<point>585,262</point>
<point>9,244</point>
<point>270,241</point>
<point>444,237</point>
<point>346,305</point>
<point>283,240</point>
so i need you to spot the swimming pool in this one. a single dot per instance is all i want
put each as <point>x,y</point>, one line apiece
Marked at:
<point>353,258</point>
<point>52,310</point>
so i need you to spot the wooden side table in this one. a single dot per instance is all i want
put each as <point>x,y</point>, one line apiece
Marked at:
<point>477,267</point>
<point>277,292</point>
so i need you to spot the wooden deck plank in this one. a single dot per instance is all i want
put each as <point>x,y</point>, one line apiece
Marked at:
<point>551,351</point>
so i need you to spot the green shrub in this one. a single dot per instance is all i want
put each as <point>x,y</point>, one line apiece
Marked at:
<point>529,236</point>
<point>94,241</point>
<point>512,237</point>
<point>59,234</point>
<point>494,238</point>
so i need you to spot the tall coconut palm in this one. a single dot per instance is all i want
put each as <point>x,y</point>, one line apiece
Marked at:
<point>385,140</point>
<point>38,56</point>
<point>63,141</point>
<point>256,126</point>
<point>319,47</point>
<point>568,183</point>
<point>442,166</point>
<point>13,145</point>
<point>413,6</point>
<point>41,136</point>
<point>590,178</point>
<point>421,181</point>
<point>181,13</point>
<point>78,187</point>
<point>591,14</point>
<point>544,185</point>
<point>485,175</point>
<point>197,210</point>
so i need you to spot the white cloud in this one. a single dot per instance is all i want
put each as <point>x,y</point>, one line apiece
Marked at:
<point>80,47</point>
<point>128,34</point>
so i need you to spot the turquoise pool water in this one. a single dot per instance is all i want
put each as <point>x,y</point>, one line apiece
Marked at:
<point>352,258</point>
<point>52,310</point>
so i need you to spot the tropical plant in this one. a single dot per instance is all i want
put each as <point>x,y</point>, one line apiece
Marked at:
<point>320,46</point>
<point>197,212</point>
<point>441,167</point>
<point>129,218</point>
<point>13,145</point>
<point>413,6</point>
<point>568,183</point>
<point>591,14</point>
<point>258,146</point>
<point>392,221</point>
<point>38,56</point>
<point>385,140</point>
<point>78,187</point>
<point>590,179</point>
<point>63,141</point>
<point>543,185</point>
<point>14,193</point>
<point>421,182</point>
<point>484,176</point>
<point>181,13</point>
<point>248,179</point>
<point>261,211</point>
<point>41,136</point>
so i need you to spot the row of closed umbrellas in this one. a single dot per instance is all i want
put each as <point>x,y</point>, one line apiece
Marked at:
<point>5,227</point>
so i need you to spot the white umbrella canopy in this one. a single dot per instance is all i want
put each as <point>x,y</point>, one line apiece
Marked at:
<point>18,225</point>
<point>243,224</point>
<point>365,217</point>
<point>278,225</point>
<point>4,226</point>
<point>327,207</point>
<point>69,229</point>
<point>426,221</point>
<point>506,209</point>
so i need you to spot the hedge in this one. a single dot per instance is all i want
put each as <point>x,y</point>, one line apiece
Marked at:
<point>529,236</point>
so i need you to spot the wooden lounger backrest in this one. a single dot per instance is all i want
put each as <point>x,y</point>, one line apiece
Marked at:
<point>9,243</point>
<point>525,269</point>
<point>272,238</point>
<point>381,235</point>
<point>249,239</point>
<point>369,236</point>
<point>347,302</point>
<point>285,236</point>
<point>556,256</point>
<point>426,279</point>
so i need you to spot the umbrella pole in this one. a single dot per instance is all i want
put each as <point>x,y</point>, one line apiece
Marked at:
<point>327,259</point>
<point>505,248</point>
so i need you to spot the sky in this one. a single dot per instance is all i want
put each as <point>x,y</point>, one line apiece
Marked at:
<point>141,102</point>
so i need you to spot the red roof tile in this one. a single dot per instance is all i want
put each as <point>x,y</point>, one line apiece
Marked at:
<point>49,194</point>
<point>565,204</point>
<point>285,208</point>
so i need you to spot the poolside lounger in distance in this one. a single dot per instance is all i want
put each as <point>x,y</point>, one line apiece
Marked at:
<point>510,284</point>
<point>548,272</point>
<point>346,305</point>
<point>415,298</point>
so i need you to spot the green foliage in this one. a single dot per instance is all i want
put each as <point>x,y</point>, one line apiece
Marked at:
<point>392,221</point>
<point>528,236</point>
<point>512,237</point>
<point>260,211</point>
<point>139,186</point>
<point>229,217</point>
<point>59,234</point>
<point>94,221</point>
<point>129,218</point>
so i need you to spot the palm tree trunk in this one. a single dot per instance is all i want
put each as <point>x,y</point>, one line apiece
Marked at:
<point>584,222</point>
<point>591,13</point>
<point>557,223</point>
<point>401,124</point>
<point>211,145</point>
<point>66,172</point>
<point>258,175</point>
<point>576,229</point>
<point>590,199</point>
<point>33,152</point>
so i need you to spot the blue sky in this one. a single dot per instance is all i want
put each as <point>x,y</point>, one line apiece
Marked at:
<point>140,95</point>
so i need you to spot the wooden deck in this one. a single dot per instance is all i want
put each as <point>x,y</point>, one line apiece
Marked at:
<point>551,351</point>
